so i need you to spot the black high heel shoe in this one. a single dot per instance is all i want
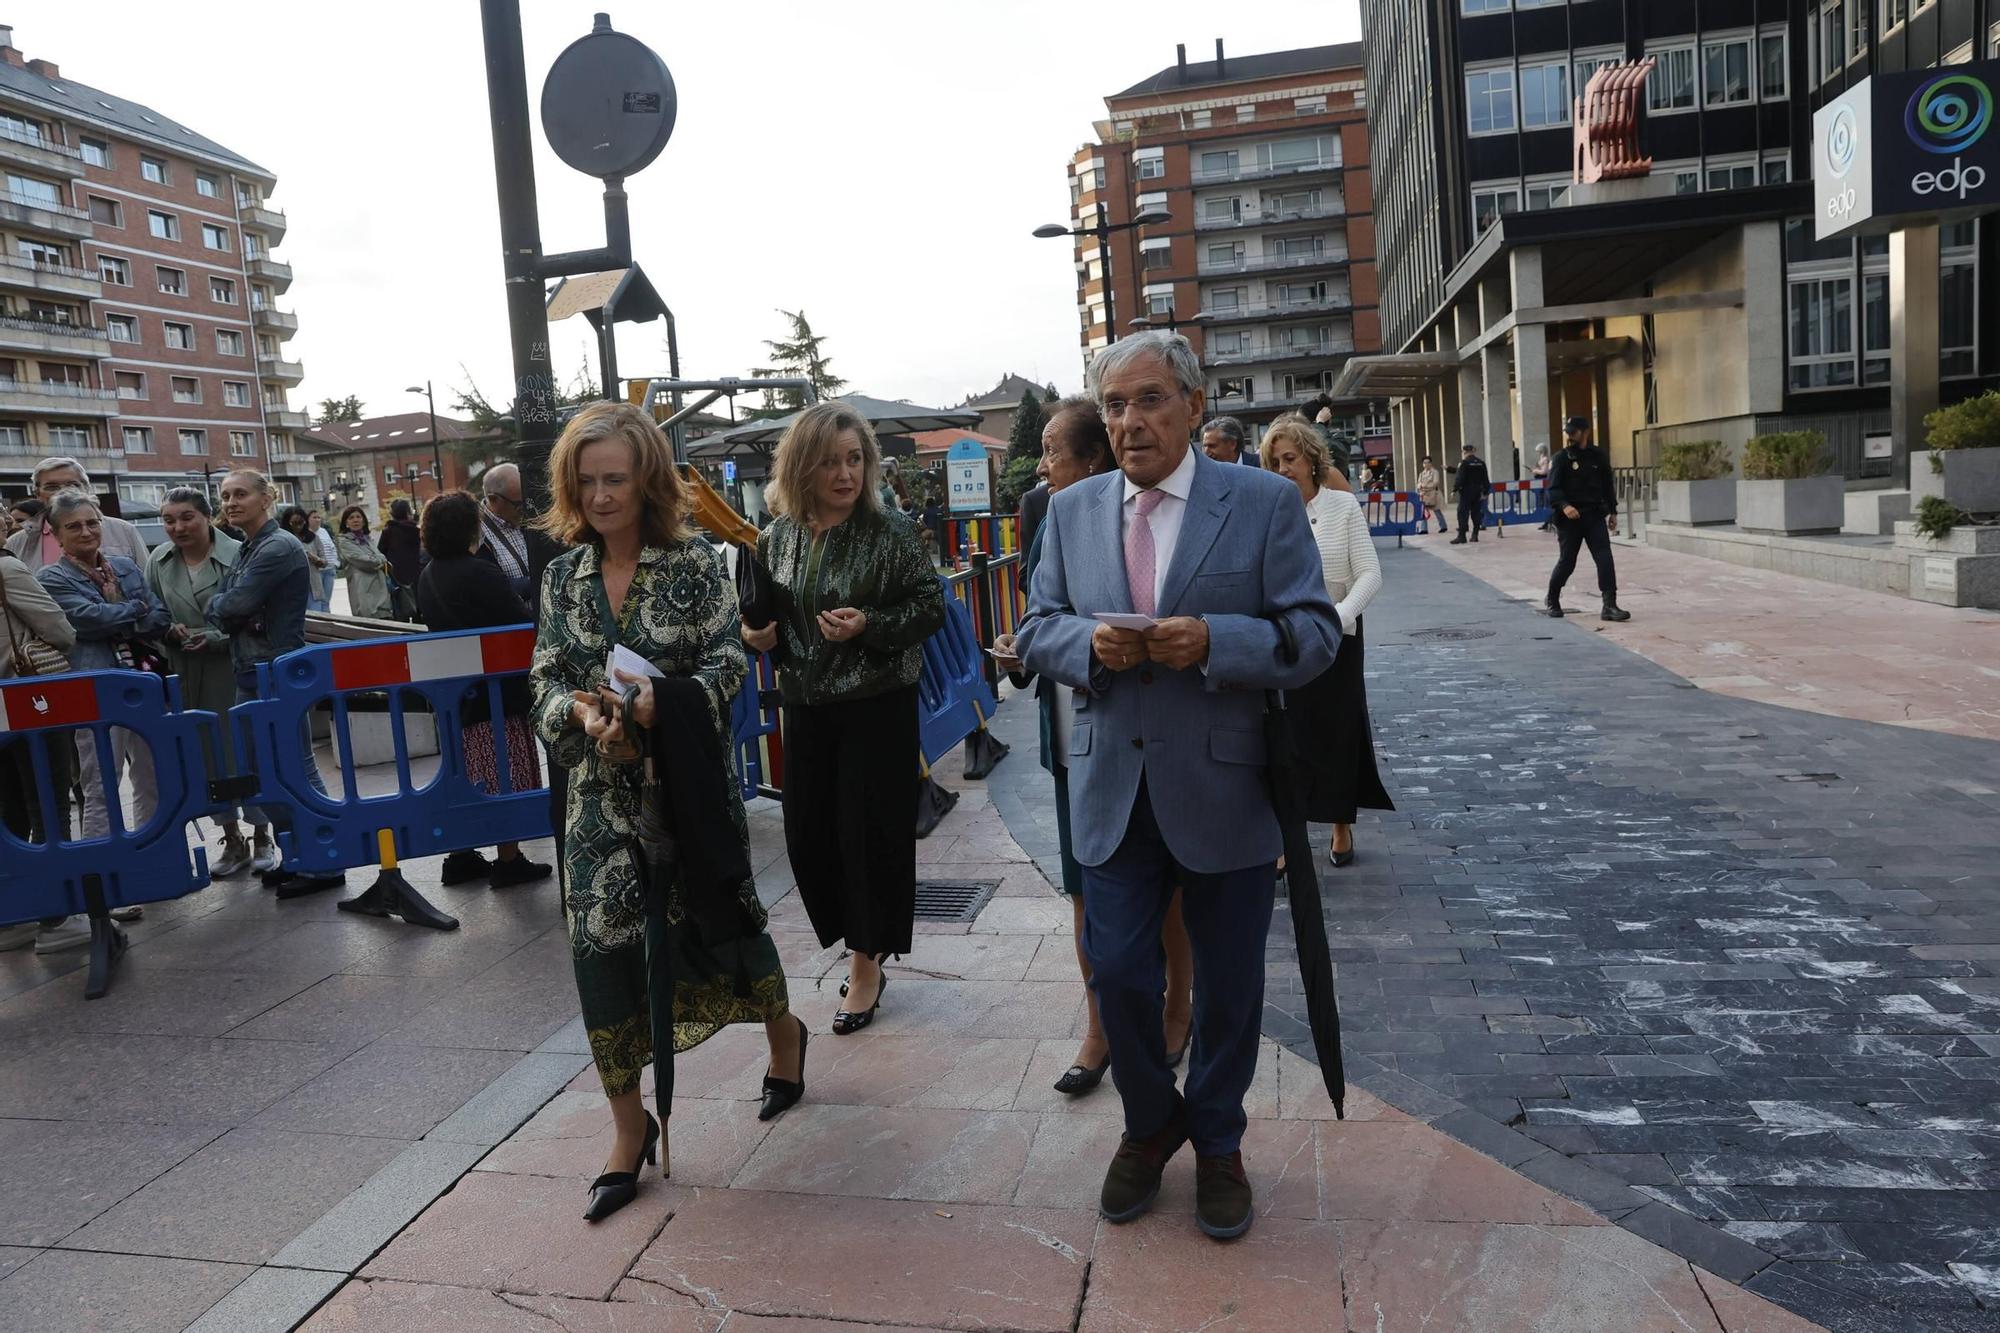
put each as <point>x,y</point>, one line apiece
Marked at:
<point>614,1189</point>
<point>781,1095</point>
<point>1079,1079</point>
<point>846,1021</point>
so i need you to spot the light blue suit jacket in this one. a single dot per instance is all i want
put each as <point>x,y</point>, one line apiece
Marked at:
<point>1244,558</point>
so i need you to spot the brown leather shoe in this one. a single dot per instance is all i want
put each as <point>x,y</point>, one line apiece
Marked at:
<point>1133,1181</point>
<point>1222,1199</point>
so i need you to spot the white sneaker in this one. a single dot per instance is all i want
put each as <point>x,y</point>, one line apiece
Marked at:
<point>17,937</point>
<point>265,858</point>
<point>71,934</point>
<point>235,858</point>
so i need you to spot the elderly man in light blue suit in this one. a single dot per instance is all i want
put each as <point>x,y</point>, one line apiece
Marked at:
<point>1168,782</point>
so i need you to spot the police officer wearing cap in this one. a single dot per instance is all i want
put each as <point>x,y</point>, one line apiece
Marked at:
<point>1584,500</point>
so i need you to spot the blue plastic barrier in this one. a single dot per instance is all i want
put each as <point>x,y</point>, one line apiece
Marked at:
<point>130,866</point>
<point>1397,514</point>
<point>1517,502</point>
<point>953,699</point>
<point>754,729</point>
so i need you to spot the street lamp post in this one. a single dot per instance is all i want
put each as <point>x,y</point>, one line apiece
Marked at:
<point>1170,319</point>
<point>1102,231</point>
<point>437,458</point>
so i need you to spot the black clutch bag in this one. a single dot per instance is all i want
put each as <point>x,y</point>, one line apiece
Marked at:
<point>754,595</point>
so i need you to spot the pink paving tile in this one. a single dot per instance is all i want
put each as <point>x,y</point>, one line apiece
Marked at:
<point>1394,1171</point>
<point>1161,1275</point>
<point>756,1323</point>
<point>1515,1279</point>
<point>893,1153</point>
<point>525,1234</point>
<point>416,1307</point>
<point>969,1073</point>
<point>1746,1312</point>
<point>896,1263</point>
<point>1065,1167</point>
<point>708,1141</point>
<point>1302,1094</point>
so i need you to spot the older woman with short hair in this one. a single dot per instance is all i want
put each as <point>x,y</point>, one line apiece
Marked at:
<point>1337,750</point>
<point>856,597</point>
<point>365,565</point>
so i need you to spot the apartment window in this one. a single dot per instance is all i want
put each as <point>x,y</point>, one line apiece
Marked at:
<point>1483,6</point>
<point>222,291</point>
<point>138,439</point>
<point>1245,113</point>
<point>180,336</point>
<point>214,237</point>
<point>28,190</point>
<point>1822,333</point>
<point>1200,120</point>
<point>1489,100</point>
<point>1308,383</point>
<point>1538,195</point>
<point>1858,28</point>
<point>173,281</point>
<point>1296,247</point>
<point>1875,328</point>
<point>122,328</point>
<point>193,441</point>
<point>243,444</point>
<point>1143,202</point>
<point>16,128</point>
<point>1587,65</point>
<point>1544,95</point>
<point>153,169</point>
<point>1777,170</point>
<point>1149,163</point>
<point>1220,162</point>
<point>1491,203</point>
<point>106,212</point>
<point>389,474</point>
<point>59,372</point>
<point>1234,342</point>
<point>1731,175</point>
<point>1292,203</point>
<point>1958,299</point>
<point>1156,254</point>
<point>235,393</point>
<point>130,384</point>
<point>1224,254</point>
<point>164,226</point>
<point>1309,106</point>
<point>1159,304</point>
<point>267,347</point>
<point>260,297</point>
<point>1894,12</point>
<point>1291,294</point>
<point>1773,66</point>
<point>187,389</point>
<point>1832,39</point>
<point>13,435</point>
<point>207,186</point>
<point>229,342</point>
<point>96,152</point>
<point>1234,389</point>
<point>1222,210</point>
<point>64,436</point>
<point>1226,298</point>
<point>116,271</point>
<point>1670,87</point>
<point>1725,71</point>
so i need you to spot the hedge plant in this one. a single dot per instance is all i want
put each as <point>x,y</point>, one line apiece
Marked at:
<point>1694,460</point>
<point>1789,455</point>
<point>1972,424</point>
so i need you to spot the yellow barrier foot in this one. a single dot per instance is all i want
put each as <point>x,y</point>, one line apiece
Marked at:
<point>392,895</point>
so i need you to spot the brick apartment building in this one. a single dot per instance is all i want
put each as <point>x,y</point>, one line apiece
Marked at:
<point>1267,260</point>
<point>140,324</point>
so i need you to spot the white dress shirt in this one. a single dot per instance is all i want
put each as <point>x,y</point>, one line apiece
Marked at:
<point>1165,518</point>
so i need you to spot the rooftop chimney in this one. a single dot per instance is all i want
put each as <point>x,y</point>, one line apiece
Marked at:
<point>8,52</point>
<point>1221,69</point>
<point>1180,57</point>
<point>46,68</point>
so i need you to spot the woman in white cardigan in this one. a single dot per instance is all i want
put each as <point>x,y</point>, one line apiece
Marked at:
<point>1336,746</point>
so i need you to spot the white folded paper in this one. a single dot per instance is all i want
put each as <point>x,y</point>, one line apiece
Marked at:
<point>1126,620</point>
<point>623,659</point>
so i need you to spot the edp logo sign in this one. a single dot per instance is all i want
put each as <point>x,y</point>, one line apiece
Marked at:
<point>1906,148</point>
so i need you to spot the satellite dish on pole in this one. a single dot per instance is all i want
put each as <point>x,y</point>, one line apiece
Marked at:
<point>608,104</point>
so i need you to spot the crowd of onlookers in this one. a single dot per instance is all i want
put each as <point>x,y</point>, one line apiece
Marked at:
<point>230,589</point>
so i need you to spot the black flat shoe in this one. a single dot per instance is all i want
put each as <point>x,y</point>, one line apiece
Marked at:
<point>781,1095</point>
<point>1079,1079</point>
<point>845,1022</point>
<point>463,867</point>
<point>302,886</point>
<point>614,1189</point>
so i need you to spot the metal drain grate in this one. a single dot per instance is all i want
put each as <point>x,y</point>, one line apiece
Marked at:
<point>952,899</point>
<point>1449,635</point>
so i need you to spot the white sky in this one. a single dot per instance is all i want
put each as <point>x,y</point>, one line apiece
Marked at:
<point>878,164</point>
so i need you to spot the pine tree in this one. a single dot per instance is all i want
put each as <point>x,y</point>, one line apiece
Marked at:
<point>800,356</point>
<point>1025,440</point>
<point>334,411</point>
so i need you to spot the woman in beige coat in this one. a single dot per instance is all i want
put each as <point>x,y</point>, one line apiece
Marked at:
<point>1430,493</point>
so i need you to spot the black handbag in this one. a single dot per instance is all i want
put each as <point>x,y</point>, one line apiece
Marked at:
<point>754,594</point>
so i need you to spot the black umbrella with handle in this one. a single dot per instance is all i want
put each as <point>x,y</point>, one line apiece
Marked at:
<point>1302,888</point>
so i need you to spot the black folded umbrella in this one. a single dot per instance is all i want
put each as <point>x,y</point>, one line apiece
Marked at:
<point>1302,887</point>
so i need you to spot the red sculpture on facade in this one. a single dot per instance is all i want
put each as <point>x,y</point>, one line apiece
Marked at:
<point>1606,123</point>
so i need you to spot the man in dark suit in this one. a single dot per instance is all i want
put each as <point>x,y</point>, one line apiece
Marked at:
<point>521,552</point>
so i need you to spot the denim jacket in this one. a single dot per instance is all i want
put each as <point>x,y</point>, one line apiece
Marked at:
<point>101,625</point>
<point>262,604</point>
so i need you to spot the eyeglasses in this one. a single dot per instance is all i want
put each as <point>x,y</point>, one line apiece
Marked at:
<point>1147,403</point>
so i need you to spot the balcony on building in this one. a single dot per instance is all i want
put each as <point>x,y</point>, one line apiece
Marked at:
<point>1262,171</point>
<point>261,217</point>
<point>1274,351</point>
<point>274,271</point>
<point>56,399</point>
<point>21,274</point>
<point>22,333</point>
<point>1287,261</point>
<point>1247,219</point>
<point>1256,314</point>
<point>284,372</point>
<point>284,418</point>
<point>273,320</point>
<point>29,148</point>
<point>33,212</point>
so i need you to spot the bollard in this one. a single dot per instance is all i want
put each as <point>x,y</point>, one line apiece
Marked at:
<point>392,895</point>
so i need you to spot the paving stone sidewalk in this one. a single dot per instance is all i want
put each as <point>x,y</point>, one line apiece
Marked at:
<point>933,1179</point>
<point>1727,972</point>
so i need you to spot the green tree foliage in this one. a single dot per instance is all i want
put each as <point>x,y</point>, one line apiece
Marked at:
<point>799,355</point>
<point>1972,424</point>
<point>1017,478</point>
<point>492,421</point>
<point>333,411</point>
<point>1025,440</point>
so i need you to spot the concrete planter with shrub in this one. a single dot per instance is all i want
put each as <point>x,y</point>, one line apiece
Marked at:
<point>1784,491</point>
<point>1694,484</point>
<point>1962,465</point>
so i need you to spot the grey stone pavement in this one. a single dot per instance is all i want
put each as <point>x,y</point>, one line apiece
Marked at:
<point>1725,972</point>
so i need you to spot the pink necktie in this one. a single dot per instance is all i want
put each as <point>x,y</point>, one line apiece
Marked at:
<point>1139,561</point>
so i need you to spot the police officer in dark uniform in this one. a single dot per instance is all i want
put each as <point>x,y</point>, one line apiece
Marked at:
<point>1472,484</point>
<point>1584,501</point>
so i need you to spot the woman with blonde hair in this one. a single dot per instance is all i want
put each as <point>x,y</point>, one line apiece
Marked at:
<point>666,934</point>
<point>855,597</point>
<point>1336,747</point>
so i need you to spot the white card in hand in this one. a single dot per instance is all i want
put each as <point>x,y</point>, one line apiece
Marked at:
<point>1126,620</point>
<point>625,660</point>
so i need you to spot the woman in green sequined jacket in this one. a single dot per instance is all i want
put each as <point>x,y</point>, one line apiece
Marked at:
<point>855,599</point>
<point>640,578</point>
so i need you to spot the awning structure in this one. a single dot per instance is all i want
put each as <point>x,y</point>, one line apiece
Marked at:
<point>1394,374</point>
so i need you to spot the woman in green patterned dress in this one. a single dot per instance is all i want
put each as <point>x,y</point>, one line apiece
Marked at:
<point>639,577</point>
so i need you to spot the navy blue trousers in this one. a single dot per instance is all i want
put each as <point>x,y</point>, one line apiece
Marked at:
<point>1228,915</point>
